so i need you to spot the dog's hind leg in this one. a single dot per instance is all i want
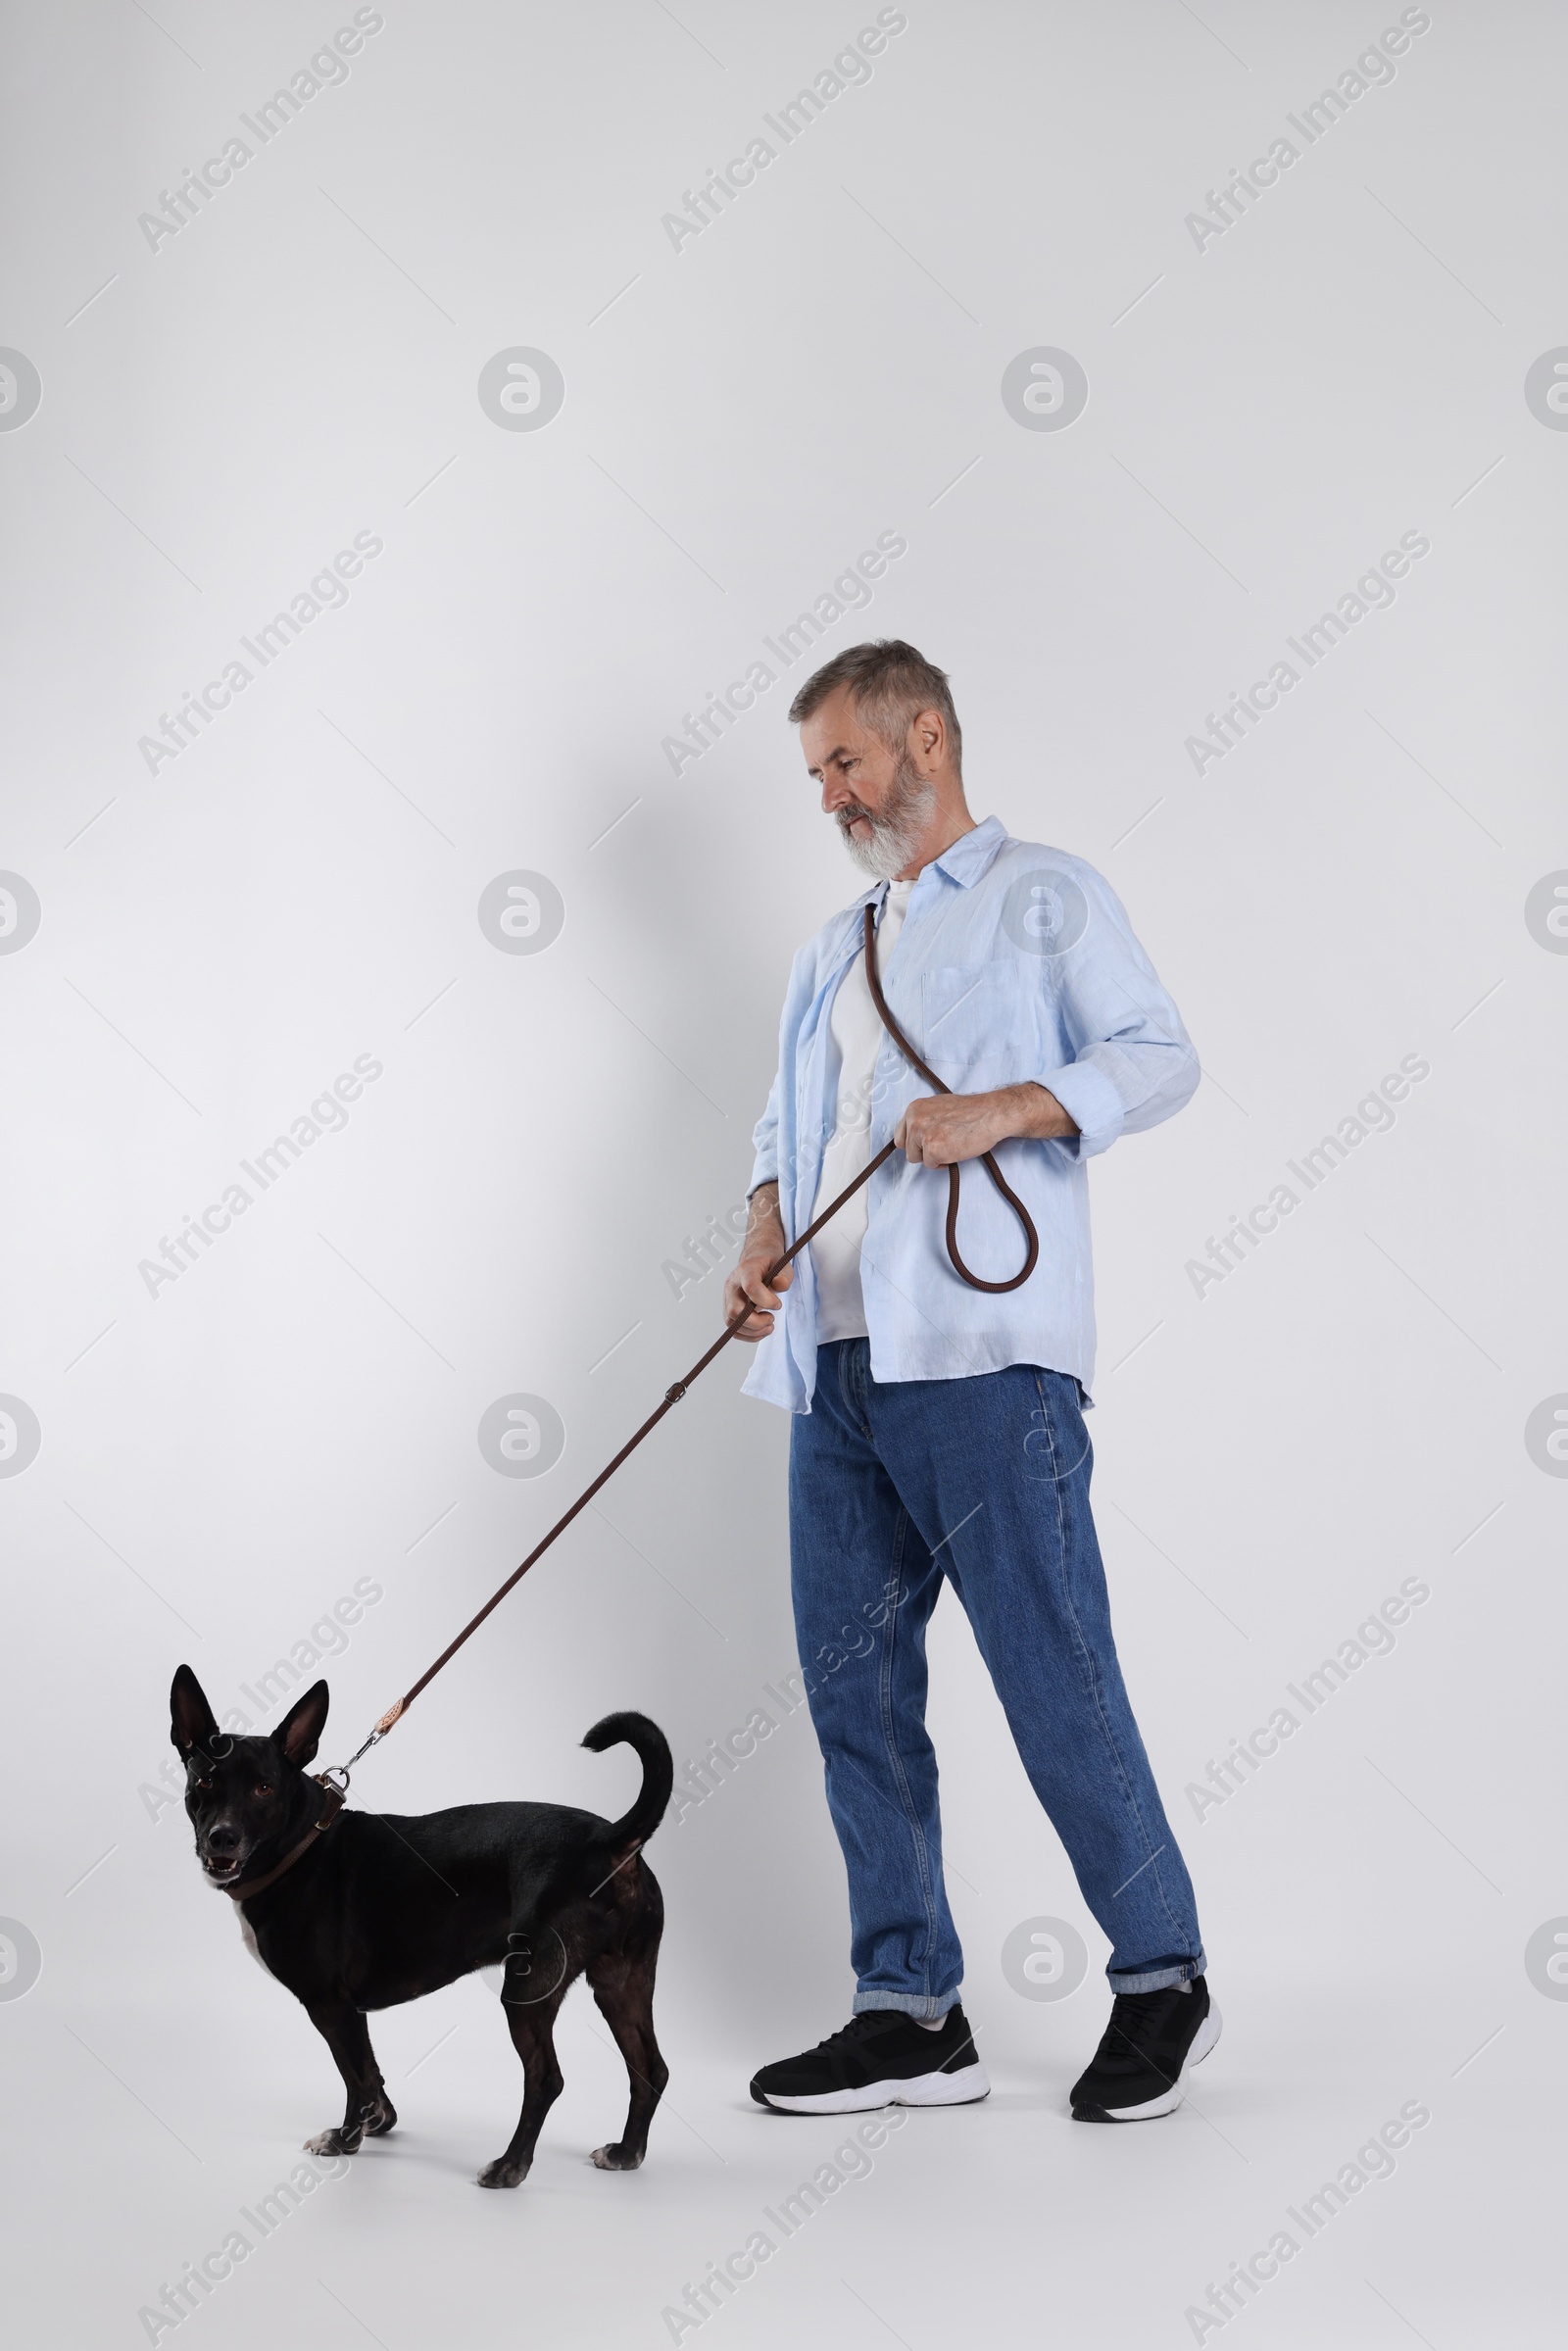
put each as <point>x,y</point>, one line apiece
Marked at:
<point>532,2026</point>
<point>346,2034</point>
<point>622,1982</point>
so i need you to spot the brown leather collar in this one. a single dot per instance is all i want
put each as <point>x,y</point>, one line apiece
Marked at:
<point>318,1827</point>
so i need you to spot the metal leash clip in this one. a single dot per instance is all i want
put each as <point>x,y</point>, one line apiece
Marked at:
<point>341,1771</point>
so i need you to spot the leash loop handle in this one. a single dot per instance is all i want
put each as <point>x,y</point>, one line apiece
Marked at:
<point>1031,1237</point>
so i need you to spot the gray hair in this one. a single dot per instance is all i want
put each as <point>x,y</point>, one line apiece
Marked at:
<point>889,683</point>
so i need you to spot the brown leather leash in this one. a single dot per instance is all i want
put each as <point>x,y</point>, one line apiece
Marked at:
<point>1032,1256</point>
<point>337,1778</point>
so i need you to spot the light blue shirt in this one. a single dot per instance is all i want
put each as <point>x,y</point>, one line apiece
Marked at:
<point>1015,961</point>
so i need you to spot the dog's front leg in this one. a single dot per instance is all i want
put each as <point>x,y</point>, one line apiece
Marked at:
<point>346,2034</point>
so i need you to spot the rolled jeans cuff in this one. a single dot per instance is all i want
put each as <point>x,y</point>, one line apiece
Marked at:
<point>928,2008</point>
<point>1160,1979</point>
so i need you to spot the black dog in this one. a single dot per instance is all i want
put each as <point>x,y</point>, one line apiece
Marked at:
<point>364,1910</point>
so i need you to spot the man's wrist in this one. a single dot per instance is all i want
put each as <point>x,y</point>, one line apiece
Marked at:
<point>1035,1114</point>
<point>764,1222</point>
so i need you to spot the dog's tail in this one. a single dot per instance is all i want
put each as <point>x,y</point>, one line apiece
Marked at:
<point>659,1773</point>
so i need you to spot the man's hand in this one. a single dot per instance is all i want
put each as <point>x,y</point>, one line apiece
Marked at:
<point>938,1130</point>
<point>764,1244</point>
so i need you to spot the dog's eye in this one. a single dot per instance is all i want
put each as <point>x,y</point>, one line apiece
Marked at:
<point>264,1787</point>
<point>204,1784</point>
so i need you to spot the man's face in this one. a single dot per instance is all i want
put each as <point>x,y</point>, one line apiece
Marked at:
<point>878,799</point>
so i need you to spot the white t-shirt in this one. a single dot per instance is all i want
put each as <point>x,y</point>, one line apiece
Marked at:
<point>856,1030</point>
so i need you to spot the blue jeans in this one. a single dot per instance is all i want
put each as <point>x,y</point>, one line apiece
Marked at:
<point>984,1481</point>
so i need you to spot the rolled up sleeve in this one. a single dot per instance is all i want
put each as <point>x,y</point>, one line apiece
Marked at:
<point>765,1143</point>
<point>1089,1096</point>
<point>1132,1063</point>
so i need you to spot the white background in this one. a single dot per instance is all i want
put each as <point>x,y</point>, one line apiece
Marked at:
<point>220,1463</point>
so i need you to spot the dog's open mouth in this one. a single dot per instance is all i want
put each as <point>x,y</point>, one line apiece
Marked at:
<point>220,1866</point>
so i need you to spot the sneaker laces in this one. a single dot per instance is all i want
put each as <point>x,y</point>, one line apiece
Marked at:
<point>1122,2040</point>
<point>858,2026</point>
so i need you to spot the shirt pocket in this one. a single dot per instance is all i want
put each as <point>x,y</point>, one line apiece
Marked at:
<point>979,1025</point>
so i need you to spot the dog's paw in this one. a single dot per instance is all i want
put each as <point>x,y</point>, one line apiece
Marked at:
<point>505,2172</point>
<point>617,2158</point>
<point>380,2118</point>
<point>334,2142</point>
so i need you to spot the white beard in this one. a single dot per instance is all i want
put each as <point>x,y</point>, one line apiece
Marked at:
<point>895,829</point>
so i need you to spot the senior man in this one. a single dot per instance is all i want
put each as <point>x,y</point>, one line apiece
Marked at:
<point>938,1430</point>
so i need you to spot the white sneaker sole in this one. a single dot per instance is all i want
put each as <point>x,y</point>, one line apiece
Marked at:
<point>962,2089</point>
<point>1204,2040</point>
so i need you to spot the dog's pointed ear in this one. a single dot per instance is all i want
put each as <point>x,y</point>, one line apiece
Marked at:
<point>299,1733</point>
<point>191,1722</point>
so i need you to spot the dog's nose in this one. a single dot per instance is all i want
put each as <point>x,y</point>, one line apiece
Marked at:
<point>222,1840</point>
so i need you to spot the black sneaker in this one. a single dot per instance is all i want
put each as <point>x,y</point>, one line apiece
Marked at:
<point>1151,2043</point>
<point>880,2059</point>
